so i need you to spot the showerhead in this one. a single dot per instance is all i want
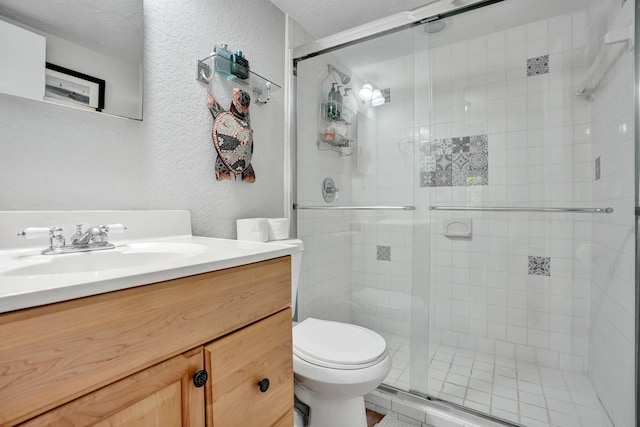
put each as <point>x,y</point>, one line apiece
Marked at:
<point>434,27</point>
<point>344,78</point>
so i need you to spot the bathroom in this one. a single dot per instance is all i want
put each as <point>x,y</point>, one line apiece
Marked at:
<point>63,159</point>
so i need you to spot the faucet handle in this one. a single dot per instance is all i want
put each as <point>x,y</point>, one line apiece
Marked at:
<point>54,234</point>
<point>113,228</point>
<point>35,232</point>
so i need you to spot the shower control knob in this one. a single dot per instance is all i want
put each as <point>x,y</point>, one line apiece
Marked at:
<point>264,384</point>
<point>200,378</point>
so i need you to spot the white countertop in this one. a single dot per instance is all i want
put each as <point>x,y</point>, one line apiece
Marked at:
<point>18,291</point>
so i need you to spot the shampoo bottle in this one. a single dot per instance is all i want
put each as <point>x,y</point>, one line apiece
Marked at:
<point>223,65</point>
<point>331,102</point>
<point>240,66</point>
<point>349,106</point>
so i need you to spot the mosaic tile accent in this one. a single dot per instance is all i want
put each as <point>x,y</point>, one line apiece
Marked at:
<point>540,266</point>
<point>460,161</point>
<point>538,66</point>
<point>598,168</point>
<point>384,253</point>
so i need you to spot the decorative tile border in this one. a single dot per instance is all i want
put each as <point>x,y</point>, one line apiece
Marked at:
<point>540,266</point>
<point>384,253</point>
<point>461,161</point>
<point>538,66</point>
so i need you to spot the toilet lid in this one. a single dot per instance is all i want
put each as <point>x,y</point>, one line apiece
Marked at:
<point>337,345</point>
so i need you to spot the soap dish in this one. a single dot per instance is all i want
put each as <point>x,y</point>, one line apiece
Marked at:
<point>458,227</point>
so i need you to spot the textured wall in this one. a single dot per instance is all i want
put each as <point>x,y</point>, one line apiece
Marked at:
<point>57,158</point>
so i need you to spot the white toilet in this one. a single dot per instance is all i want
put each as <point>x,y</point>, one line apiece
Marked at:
<point>335,364</point>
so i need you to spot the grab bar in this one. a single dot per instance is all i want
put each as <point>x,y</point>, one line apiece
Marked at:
<point>356,208</point>
<point>522,209</point>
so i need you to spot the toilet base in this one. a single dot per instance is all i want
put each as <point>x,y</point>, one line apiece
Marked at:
<point>333,410</point>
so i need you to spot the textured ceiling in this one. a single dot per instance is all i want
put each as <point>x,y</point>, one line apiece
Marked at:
<point>323,18</point>
<point>112,27</point>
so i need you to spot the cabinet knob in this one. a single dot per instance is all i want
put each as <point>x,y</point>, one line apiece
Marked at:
<point>264,384</point>
<point>200,378</point>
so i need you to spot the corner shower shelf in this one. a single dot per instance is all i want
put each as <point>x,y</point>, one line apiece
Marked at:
<point>330,137</point>
<point>214,63</point>
<point>324,108</point>
<point>336,141</point>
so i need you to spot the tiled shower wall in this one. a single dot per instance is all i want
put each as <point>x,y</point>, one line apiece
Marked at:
<point>325,280</point>
<point>611,349</point>
<point>520,286</point>
<point>383,174</point>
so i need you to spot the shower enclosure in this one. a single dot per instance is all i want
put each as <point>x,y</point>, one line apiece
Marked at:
<point>479,212</point>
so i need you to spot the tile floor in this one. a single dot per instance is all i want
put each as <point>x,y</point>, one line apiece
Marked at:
<point>531,395</point>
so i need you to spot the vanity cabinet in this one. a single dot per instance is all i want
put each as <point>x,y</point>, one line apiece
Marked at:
<point>128,358</point>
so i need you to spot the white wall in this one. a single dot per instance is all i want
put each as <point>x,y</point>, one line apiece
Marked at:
<point>611,349</point>
<point>58,158</point>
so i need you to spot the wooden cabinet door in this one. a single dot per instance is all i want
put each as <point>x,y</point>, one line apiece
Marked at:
<point>238,361</point>
<point>286,421</point>
<point>162,395</point>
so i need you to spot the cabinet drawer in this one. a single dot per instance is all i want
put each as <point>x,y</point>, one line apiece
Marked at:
<point>237,363</point>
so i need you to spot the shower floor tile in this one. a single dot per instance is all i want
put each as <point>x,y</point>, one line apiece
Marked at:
<point>516,391</point>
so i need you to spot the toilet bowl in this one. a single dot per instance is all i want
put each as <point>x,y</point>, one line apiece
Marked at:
<point>335,364</point>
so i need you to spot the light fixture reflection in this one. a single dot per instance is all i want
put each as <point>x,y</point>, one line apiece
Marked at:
<point>366,93</point>
<point>377,98</point>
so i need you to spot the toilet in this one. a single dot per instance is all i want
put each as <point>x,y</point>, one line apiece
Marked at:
<point>335,364</point>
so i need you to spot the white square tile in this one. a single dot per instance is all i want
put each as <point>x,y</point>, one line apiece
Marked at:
<point>560,24</point>
<point>460,380</point>
<point>480,385</point>
<point>532,388</point>
<point>563,420</point>
<point>506,415</point>
<point>454,390</point>
<point>504,404</point>
<point>554,394</point>
<point>506,392</point>
<point>532,399</point>
<point>537,30</point>
<point>534,412</point>
<point>516,35</point>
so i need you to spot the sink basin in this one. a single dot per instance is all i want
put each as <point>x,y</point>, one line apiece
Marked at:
<point>127,256</point>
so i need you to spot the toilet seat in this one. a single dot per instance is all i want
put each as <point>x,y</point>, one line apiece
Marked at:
<point>337,345</point>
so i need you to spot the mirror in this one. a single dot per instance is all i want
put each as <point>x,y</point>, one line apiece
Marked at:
<point>84,54</point>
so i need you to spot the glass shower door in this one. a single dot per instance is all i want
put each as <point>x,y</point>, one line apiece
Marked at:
<point>529,278</point>
<point>358,259</point>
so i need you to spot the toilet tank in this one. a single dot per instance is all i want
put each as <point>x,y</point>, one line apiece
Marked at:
<point>296,265</point>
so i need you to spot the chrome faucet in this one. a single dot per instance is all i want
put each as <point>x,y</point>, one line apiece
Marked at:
<point>94,239</point>
<point>93,235</point>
